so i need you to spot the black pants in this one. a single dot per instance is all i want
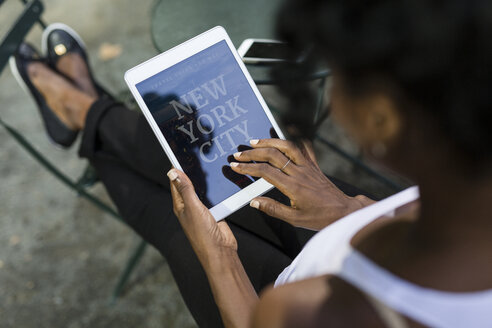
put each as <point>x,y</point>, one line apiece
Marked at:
<point>132,165</point>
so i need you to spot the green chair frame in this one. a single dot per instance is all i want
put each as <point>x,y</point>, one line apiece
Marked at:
<point>26,20</point>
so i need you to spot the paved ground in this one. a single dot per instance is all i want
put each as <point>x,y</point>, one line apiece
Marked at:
<point>59,255</point>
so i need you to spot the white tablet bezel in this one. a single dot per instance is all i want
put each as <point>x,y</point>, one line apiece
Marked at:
<point>173,56</point>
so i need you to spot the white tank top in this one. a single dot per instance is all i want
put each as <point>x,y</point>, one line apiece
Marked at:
<point>330,252</point>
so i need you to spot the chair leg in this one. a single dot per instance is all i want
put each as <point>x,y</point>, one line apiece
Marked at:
<point>88,178</point>
<point>132,262</point>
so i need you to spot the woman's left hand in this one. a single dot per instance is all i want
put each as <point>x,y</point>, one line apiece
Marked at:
<point>210,239</point>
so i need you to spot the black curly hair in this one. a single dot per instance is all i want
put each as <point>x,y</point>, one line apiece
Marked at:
<point>437,53</point>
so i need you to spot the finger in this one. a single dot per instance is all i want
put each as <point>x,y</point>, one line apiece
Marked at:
<point>243,148</point>
<point>178,204</point>
<point>276,177</point>
<point>274,208</point>
<point>240,180</point>
<point>184,192</point>
<point>285,146</point>
<point>175,195</point>
<point>270,155</point>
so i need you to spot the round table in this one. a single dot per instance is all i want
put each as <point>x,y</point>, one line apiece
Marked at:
<point>174,22</point>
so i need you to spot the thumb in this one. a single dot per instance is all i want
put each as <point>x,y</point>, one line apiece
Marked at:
<point>182,189</point>
<point>274,208</point>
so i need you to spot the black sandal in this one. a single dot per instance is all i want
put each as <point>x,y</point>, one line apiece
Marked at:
<point>57,131</point>
<point>58,40</point>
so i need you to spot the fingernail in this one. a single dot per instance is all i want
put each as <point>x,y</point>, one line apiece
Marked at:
<point>234,164</point>
<point>254,141</point>
<point>172,175</point>
<point>255,204</point>
<point>236,155</point>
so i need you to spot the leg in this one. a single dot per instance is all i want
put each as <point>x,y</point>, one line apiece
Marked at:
<point>124,135</point>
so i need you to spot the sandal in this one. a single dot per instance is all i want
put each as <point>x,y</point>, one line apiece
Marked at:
<point>57,131</point>
<point>58,40</point>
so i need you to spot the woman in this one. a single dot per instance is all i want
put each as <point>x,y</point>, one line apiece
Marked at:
<point>411,84</point>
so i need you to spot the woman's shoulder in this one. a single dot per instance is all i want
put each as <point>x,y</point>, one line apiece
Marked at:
<point>393,245</point>
<point>322,301</point>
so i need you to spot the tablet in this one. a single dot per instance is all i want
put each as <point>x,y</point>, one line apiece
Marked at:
<point>203,105</point>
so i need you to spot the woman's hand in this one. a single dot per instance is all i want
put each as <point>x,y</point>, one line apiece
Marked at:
<point>315,200</point>
<point>216,248</point>
<point>210,239</point>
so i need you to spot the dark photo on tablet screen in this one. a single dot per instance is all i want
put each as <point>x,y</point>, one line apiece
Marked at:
<point>206,110</point>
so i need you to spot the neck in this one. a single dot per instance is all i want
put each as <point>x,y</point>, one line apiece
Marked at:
<point>456,204</point>
<point>455,209</point>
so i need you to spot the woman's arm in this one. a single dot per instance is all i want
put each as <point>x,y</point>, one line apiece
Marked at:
<point>315,201</point>
<point>233,292</point>
<point>216,249</point>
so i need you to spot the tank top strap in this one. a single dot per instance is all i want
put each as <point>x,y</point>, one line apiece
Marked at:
<point>430,307</point>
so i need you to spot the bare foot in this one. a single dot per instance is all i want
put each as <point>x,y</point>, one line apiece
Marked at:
<point>74,67</point>
<point>68,103</point>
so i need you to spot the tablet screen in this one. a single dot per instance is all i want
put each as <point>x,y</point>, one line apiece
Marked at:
<point>206,110</point>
